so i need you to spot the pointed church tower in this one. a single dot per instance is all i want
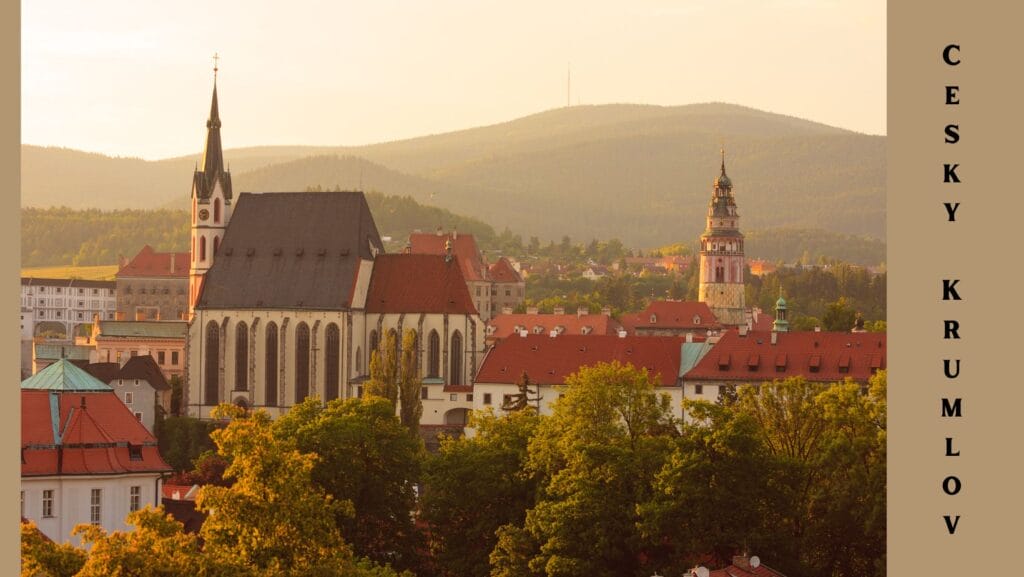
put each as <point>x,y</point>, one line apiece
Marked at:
<point>721,255</point>
<point>211,204</point>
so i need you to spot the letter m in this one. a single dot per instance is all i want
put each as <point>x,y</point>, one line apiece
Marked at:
<point>951,409</point>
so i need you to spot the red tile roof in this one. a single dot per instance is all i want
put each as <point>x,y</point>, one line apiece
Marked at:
<point>504,325</point>
<point>816,356</point>
<point>83,433</point>
<point>463,247</point>
<point>734,571</point>
<point>417,283</point>
<point>549,360</point>
<point>149,263</point>
<point>676,315</point>
<point>502,271</point>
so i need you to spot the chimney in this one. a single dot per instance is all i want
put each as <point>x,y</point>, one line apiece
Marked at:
<point>119,315</point>
<point>523,333</point>
<point>559,310</point>
<point>689,337</point>
<point>440,231</point>
<point>455,234</point>
<point>743,330</point>
<point>622,333</point>
<point>741,561</point>
<point>775,337</point>
<point>554,334</point>
<point>817,329</point>
<point>531,310</point>
<point>580,311</point>
<point>173,255</point>
<point>606,311</point>
<point>140,315</point>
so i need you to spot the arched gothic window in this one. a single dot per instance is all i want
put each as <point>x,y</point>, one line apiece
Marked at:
<point>216,212</point>
<point>331,367</point>
<point>242,357</point>
<point>434,355</point>
<point>212,364</point>
<point>270,373</point>
<point>359,361</point>
<point>301,362</point>
<point>202,248</point>
<point>455,378</point>
<point>374,343</point>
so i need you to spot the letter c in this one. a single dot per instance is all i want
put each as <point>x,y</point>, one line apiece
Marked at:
<point>947,54</point>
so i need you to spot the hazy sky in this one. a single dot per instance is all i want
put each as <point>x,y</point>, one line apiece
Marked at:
<point>133,78</point>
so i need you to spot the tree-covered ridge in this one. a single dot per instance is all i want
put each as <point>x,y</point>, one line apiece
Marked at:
<point>64,236</point>
<point>813,246</point>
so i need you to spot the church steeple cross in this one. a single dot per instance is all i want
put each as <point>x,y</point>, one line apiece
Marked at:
<point>215,59</point>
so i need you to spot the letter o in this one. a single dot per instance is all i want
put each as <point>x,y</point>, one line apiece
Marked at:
<point>947,54</point>
<point>951,480</point>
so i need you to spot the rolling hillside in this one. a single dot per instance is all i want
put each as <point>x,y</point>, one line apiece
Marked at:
<point>640,173</point>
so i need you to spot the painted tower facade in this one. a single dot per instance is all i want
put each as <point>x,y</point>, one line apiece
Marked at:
<point>211,204</point>
<point>721,255</point>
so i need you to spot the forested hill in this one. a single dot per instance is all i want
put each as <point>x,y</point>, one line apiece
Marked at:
<point>94,237</point>
<point>639,173</point>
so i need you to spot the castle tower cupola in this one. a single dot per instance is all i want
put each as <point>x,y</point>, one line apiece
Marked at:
<point>722,261</point>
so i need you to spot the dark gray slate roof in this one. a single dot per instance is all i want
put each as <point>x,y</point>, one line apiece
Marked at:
<point>291,250</point>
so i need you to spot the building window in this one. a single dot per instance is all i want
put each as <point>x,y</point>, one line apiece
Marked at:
<point>134,354</point>
<point>135,451</point>
<point>301,362</point>
<point>129,397</point>
<point>270,367</point>
<point>138,415</point>
<point>424,393</point>
<point>487,398</point>
<point>174,358</point>
<point>216,212</point>
<point>58,290</point>
<point>95,291</point>
<point>332,358</point>
<point>455,377</point>
<point>698,389</point>
<point>242,357</point>
<point>135,498</point>
<point>95,504</point>
<point>161,357</point>
<point>453,397</point>
<point>212,364</point>
<point>469,397</point>
<point>433,355</point>
<point>359,391</point>
<point>47,502</point>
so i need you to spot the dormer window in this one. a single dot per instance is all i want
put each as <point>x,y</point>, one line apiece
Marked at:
<point>696,319</point>
<point>135,452</point>
<point>537,330</point>
<point>654,319</point>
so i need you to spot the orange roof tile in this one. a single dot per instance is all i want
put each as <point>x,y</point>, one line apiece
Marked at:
<point>149,263</point>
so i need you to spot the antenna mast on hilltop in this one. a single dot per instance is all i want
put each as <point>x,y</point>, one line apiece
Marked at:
<point>568,85</point>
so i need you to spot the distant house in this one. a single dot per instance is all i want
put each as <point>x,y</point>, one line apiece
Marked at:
<point>153,285</point>
<point>547,361</point>
<point>581,323</point>
<point>742,566</point>
<point>57,307</point>
<point>118,341</point>
<point>671,318</point>
<point>761,267</point>
<point>595,272</point>
<point>753,357</point>
<point>45,354</point>
<point>491,287</point>
<point>85,458</point>
<point>140,384</point>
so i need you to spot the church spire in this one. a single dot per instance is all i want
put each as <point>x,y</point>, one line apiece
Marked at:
<point>723,159</point>
<point>213,155</point>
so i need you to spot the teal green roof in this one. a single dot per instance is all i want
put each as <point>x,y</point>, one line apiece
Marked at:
<point>54,352</point>
<point>64,376</point>
<point>691,354</point>
<point>781,303</point>
<point>144,329</point>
